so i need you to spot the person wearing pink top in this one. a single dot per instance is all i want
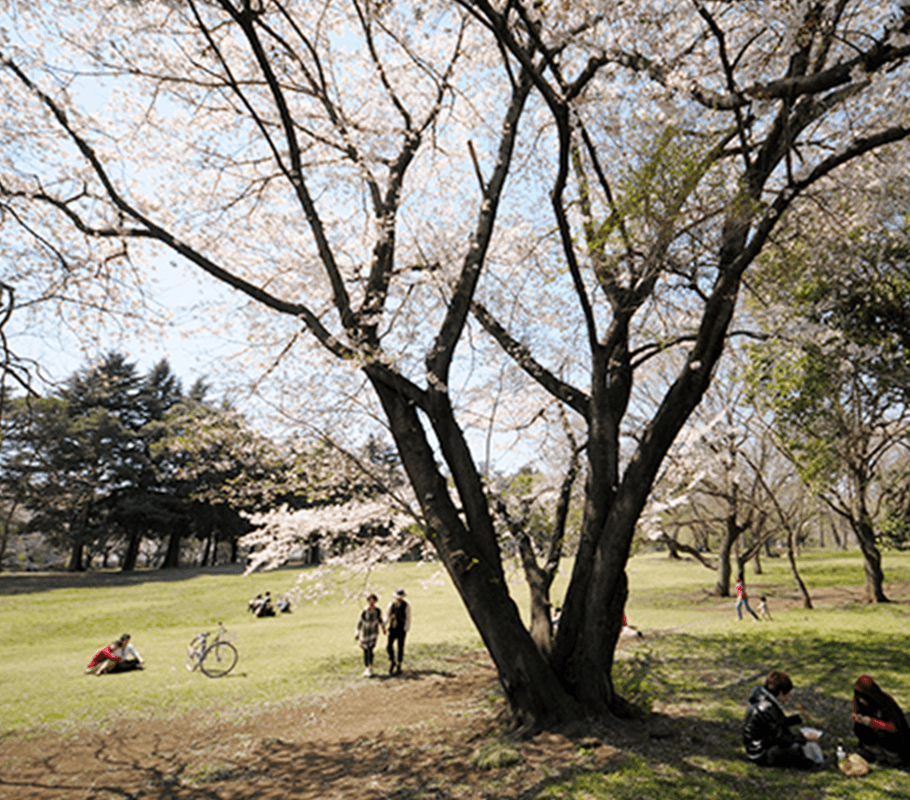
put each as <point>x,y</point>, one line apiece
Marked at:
<point>742,598</point>
<point>119,656</point>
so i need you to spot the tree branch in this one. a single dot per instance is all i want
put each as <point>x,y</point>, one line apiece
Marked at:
<point>439,358</point>
<point>574,398</point>
<point>151,230</point>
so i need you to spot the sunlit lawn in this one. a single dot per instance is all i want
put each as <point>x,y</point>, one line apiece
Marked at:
<point>47,638</point>
<point>697,662</point>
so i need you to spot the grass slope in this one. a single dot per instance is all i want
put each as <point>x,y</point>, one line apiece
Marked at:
<point>47,638</point>
<point>696,664</point>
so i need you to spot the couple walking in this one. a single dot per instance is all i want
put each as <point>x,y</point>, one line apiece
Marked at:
<point>397,623</point>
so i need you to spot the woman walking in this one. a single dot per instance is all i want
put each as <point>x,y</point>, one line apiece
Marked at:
<point>742,598</point>
<point>367,632</point>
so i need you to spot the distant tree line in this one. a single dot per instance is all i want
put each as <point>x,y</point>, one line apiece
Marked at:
<point>116,468</point>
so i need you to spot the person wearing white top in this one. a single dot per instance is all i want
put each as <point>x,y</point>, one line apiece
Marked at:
<point>128,655</point>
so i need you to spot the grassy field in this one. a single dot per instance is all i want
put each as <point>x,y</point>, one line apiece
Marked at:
<point>697,663</point>
<point>47,638</point>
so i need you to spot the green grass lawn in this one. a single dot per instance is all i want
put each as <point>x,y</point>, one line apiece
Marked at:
<point>697,662</point>
<point>47,638</point>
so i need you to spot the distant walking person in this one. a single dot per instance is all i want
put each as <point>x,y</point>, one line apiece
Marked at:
<point>742,598</point>
<point>367,633</point>
<point>398,622</point>
<point>763,611</point>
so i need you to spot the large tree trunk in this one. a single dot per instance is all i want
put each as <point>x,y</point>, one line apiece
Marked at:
<point>540,578</point>
<point>724,568</point>
<point>132,551</point>
<point>586,653</point>
<point>872,561</point>
<point>861,523</point>
<point>579,680</point>
<point>207,549</point>
<point>7,530</point>
<point>77,545</point>
<point>77,550</point>
<point>172,556</point>
<point>470,554</point>
<point>539,583</point>
<point>794,571</point>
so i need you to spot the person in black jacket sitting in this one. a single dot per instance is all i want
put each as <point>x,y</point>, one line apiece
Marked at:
<point>766,730</point>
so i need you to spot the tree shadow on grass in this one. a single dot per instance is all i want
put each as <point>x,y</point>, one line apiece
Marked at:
<point>827,663</point>
<point>704,683</point>
<point>663,756</point>
<point>12,583</point>
<point>691,749</point>
<point>414,675</point>
<point>381,766</point>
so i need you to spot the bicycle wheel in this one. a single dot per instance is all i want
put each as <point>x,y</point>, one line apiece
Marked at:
<point>194,654</point>
<point>219,659</point>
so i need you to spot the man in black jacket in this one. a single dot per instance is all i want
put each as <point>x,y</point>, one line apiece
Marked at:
<point>766,730</point>
<point>398,623</point>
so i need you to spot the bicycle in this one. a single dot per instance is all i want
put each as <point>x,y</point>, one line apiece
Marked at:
<point>215,659</point>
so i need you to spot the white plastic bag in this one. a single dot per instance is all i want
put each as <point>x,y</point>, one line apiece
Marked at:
<point>813,752</point>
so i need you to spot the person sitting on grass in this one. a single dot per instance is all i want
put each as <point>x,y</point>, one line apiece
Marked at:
<point>119,656</point>
<point>766,729</point>
<point>263,606</point>
<point>129,656</point>
<point>880,725</point>
<point>104,656</point>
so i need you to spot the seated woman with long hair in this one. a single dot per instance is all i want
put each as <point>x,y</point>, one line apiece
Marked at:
<point>880,725</point>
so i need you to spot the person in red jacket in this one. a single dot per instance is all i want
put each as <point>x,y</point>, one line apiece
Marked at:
<point>119,656</point>
<point>742,598</point>
<point>99,663</point>
<point>880,725</point>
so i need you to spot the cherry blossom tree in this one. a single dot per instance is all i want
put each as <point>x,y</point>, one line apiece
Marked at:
<point>390,529</point>
<point>586,184</point>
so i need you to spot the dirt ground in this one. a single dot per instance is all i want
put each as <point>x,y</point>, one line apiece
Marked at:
<point>412,735</point>
<point>409,736</point>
